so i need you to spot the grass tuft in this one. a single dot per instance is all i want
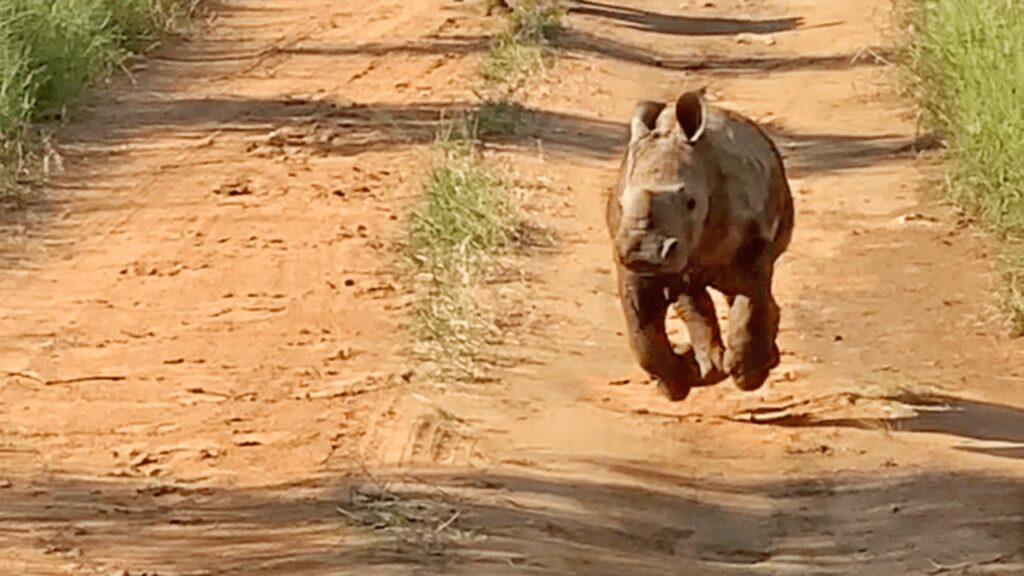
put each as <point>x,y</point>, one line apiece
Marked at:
<point>466,209</point>
<point>524,42</point>
<point>968,59</point>
<point>465,221</point>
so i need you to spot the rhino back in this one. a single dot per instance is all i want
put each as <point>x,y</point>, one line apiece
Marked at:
<point>753,188</point>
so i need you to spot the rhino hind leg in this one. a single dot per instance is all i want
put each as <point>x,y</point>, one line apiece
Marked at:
<point>697,310</point>
<point>645,305</point>
<point>752,352</point>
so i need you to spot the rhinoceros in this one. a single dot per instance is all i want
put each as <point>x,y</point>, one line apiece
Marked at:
<point>702,201</point>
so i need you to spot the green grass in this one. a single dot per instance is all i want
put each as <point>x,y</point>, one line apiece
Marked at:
<point>466,211</point>
<point>968,57</point>
<point>467,219</point>
<point>53,50</point>
<point>521,46</point>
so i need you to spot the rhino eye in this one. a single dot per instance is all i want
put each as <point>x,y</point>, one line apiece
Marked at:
<point>691,204</point>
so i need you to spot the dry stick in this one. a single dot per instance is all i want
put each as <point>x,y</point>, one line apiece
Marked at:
<point>941,568</point>
<point>348,514</point>
<point>785,410</point>
<point>684,417</point>
<point>129,74</point>
<point>24,375</point>
<point>86,379</point>
<point>57,381</point>
<point>383,486</point>
<point>447,523</point>
<point>874,54</point>
<point>278,47</point>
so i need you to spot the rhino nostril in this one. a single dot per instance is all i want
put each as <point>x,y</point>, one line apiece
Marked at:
<point>668,248</point>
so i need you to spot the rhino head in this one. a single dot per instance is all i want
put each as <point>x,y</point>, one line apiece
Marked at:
<point>665,189</point>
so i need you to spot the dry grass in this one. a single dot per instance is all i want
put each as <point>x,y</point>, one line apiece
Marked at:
<point>522,45</point>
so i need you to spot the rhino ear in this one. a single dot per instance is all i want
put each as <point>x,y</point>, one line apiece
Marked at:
<point>645,116</point>
<point>691,115</point>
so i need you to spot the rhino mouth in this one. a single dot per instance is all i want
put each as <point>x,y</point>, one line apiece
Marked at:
<point>651,256</point>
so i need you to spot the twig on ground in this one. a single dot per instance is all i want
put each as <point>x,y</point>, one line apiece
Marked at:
<point>86,379</point>
<point>56,381</point>
<point>447,523</point>
<point>943,568</point>
<point>348,514</point>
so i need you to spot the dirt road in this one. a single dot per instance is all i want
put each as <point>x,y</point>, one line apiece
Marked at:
<point>204,366</point>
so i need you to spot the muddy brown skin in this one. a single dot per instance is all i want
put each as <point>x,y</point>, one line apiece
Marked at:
<point>702,202</point>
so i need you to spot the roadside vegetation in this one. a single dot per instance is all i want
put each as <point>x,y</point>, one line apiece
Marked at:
<point>51,51</point>
<point>968,60</point>
<point>466,222</point>
<point>523,43</point>
<point>469,217</point>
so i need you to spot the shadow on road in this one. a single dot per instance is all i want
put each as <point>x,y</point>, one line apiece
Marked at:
<point>578,41</point>
<point>648,21</point>
<point>644,521</point>
<point>350,128</point>
<point>811,153</point>
<point>937,414</point>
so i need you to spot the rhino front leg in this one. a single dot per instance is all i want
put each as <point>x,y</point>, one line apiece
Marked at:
<point>698,312</point>
<point>753,327</point>
<point>645,304</point>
